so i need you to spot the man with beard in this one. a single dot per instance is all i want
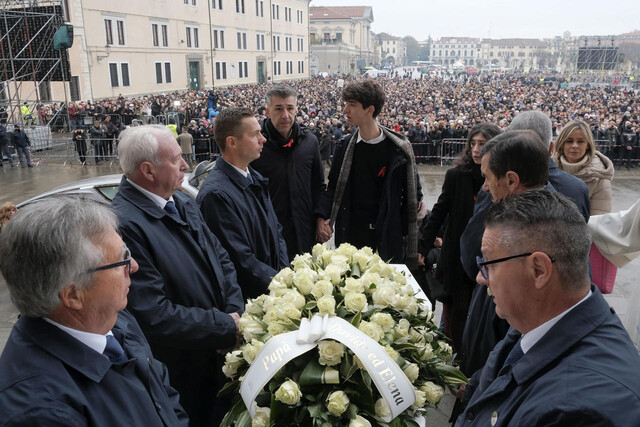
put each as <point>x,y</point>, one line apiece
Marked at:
<point>291,161</point>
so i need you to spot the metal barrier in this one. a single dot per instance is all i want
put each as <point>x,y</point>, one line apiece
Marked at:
<point>618,154</point>
<point>146,120</point>
<point>161,120</point>
<point>438,152</point>
<point>205,149</point>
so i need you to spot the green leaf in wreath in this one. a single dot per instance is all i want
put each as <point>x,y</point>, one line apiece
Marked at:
<point>315,410</point>
<point>311,374</point>
<point>232,387</point>
<point>357,319</point>
<point>352,411</point>
<point>451,374</point>
<point>234,413</point>
<point>355,270</point>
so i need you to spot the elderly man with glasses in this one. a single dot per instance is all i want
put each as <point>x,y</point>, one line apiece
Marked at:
<point>566,360</point>
<point>75,357</point>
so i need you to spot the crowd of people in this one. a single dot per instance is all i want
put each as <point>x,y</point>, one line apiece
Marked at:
<point>528,325</point>
<point>427,109</point>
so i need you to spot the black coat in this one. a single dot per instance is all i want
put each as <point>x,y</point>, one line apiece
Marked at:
<point>392,221</point>
<point>19,139</point>
<point>242,217</point>
<point>296,180</point>
<point>181,294</point>
<point>455,207</point>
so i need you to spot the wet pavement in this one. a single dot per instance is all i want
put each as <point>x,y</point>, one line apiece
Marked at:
<point>19,184</point>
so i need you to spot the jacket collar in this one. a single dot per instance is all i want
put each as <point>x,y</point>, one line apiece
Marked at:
<point>573,327</point>
<point>67,349</point>
<point>148,206</point>
<point>236,177</point>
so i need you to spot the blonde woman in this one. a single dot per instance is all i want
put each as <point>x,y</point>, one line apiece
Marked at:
<point>575,152</point>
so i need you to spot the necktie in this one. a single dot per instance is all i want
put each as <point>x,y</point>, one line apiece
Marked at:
<point>114,351</point>
<point>515,355</point>
<point>170,208</point>
<point>250,178</point>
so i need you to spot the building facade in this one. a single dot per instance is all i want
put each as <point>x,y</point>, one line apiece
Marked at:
<point>393,51</point>
<point>340,39</point>
<point>448,51</point>
<point>156,46</point>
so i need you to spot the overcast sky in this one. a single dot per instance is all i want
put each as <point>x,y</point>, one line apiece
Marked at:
<point>498,18</point>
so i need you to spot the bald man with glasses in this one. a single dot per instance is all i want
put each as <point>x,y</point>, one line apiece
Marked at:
<point>75,357</point>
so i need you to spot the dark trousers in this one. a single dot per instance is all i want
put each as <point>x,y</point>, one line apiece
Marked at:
<point>81,148</point>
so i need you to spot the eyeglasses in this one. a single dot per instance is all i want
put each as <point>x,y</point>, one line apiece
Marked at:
<point>126,261</point>
<point>484,270</point>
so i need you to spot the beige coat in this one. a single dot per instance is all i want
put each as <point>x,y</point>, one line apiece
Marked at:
<point>185,140</point>
<point>597,172</point>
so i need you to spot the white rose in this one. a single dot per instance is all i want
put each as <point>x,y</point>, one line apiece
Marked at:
<point>322,288</point>
<point>382,409</point>
<point>374,331</point>
<point>272,315</point>
<point>380,267</point>
<point>341,260</point>
<point>317,250</point>
<point>251,307</point>
<point>285,276</point>
<point>331,352</point>
<point>359,421</point>
<point>352,285</point>
<point>289,393</point>
<point>304,280</point>
<point>276,328</point>
<point>289,311</point>
<point>346,250</point>
<point>338,402</point>
<point>327,305</point>
<point>384,320</point>
<point>362,257</point>
<point>301,262</point>
<point>276,286</point>
<point>368,279</point>
<point>250,351</point>
<point>334,273</point>
<point>421,399</point>
<point>294,297</point>
<point>411,370</point>
<point>400,279</point>
<point>355,302</point>
<point>326,257</point>
<point>433,392</point>
<point>261,418</point>
<point>402,328</point>
<point>428,352</point>
<point>249,328</point>
<point>232,361</point>
<point>384,296</point>
<point>391,352</point>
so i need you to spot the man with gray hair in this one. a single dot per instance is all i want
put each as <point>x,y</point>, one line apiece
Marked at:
<point>74,357</point>
<point>562,182</point>
<point>185,294</point>
<point>290,159</point>
<point>567,359</point>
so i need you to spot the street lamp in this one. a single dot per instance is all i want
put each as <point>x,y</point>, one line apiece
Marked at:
<point>107,49</point>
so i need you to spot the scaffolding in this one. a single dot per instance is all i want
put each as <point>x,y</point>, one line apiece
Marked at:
<point>597,54</point>
<point>28,61</point>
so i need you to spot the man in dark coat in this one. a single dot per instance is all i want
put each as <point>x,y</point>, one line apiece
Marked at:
<point>290,160</point>
<point>21,142</point>
<point>185,294</point>
<point>235,203</point>
<point>74,357</point>
<point>512,162</point>
<point>374,189</point>
<point>567,359</point>
<point>4,145</point>
<point>562,182</point>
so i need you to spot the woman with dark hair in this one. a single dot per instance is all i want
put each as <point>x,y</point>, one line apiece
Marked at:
<point>453,209</point>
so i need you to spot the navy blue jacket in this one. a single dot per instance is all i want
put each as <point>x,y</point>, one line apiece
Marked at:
<point>296,180</point>
<point>583,371</point>
<point>19,139</point>
<point>182,292</point>
<point>242,216</point>
<point>50,378</point>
